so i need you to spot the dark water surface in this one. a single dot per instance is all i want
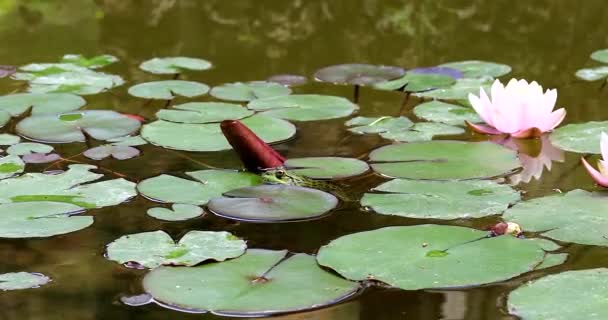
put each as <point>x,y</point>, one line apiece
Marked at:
<point>543,40</point>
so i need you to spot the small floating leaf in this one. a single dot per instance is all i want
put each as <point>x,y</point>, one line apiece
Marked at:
<point>247,91</point>
<point>40,219</point>
<point>358,74</point>
<point>592,74</point>
<point>178,212</point>
<point>326,167</point>
<point>22,280</point>
<point>91,63</point>
<point>168,89</point>
<point>437,111</point>
<point>288,80</point>
<point>600,55</point>
<point>41,103</point>
<point>479,69</point>
<point>116,152</point>
<point>203,112</point>
<point>304,107</point>
<point>172,65</point>
<point>7,139</point>
<point>24,148</point>
<point>579,137</point>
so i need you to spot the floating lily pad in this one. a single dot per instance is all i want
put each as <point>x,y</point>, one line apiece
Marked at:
<point>74,186</point>
<point>23,148</point>
<point>443,160</point>
<point>168,89</point>
<point>10,165</point>
<point>22,280</point>
<point>178,212</point>
<point>91,63</point>
<point>422,131</point>
<point>203,112</point>
<point>430,256</point>
<point>289,80</point>
<point>116,152</point>
<point>209,137</point>
<point>326,167</point>
<point>273,203</point>
<point>130,141</point>
<point>40,103</point>
<point>5,117</point>
<point>440,199</point>
<point>70,127</point>
<point>417,82</point>
<point>600,55</point>
<point>172,65</point>
<point>40,157</point>
<point>304,107</point>
<point>479,69</point>
<point>551,297</point>
<point>577,216</point>
<point>437,111</point>
<point>363,125</point>
<point>459,90</point>
<point>6,71</point>
<point>7,139</point>
<point>451,72</point>
<point>40,219</point>
<point>32,71</point>
<point>358,74</point>
<point>592,74</point>
<point>209,184</point>
<point>273,284</point>
<point>247,91</point>
<point>579,137</point>
<point>156,248</point>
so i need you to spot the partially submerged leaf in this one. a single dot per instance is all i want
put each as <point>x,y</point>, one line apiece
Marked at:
<point>168,89</point>
<point>22,280</point>
<point>247,91</point>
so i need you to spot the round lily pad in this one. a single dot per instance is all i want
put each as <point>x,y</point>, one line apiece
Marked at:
<point>577,216</point>
<point>168,89</point>
<point>592,74</point>
<point>10,165</point>
<point>479,69</point>
<point>91,63</point>
<point>209,137</point>
<point>5,117</point>
<point>203,112</point>
<point>72,126</point>
<point>422,131</point>
<point>437,111</point>
<point>358,74</point>
<point>208,184</point>
<point>430,256</point>
<point>7,139</point>
<point>600,55</point>
<point>288,80</point>
<point>247,91</point>
<point>273,283</point>
<point>443,160</point>
<point>417,82</point>
<point>551,297</point>
<point>156,248</point>
<point>22,280</point>
<point>304,107</point>
<point>23,148</point>
<point>41,103</point>
<point>40,219</point>
<point>440,199</point>
<point>116,152</point>
<point>459,90</point>
<point>326,167</point>
<point>178,212</point>
<point>273,203</point>
<point>579,137</point>
<point>172,65</point>
<point>451,72</point>
<point>363,125</point>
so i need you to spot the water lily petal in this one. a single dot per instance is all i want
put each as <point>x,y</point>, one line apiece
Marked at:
<point>596,175</point>
<point>553,120</point>
<point>480,106</point>
<point>480,128</point>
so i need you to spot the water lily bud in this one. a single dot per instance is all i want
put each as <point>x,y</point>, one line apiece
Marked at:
<point>255,154</point>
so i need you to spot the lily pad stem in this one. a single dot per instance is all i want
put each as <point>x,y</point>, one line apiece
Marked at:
<point>356,94</point>
<point>406,98</point>
<point>179,154</point>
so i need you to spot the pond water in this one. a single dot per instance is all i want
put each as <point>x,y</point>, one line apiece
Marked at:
<point>544,40</point>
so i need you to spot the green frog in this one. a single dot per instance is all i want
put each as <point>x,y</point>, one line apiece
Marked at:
<point>282,176</point>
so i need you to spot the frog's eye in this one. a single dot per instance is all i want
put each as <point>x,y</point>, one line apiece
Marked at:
<point>280,174</point>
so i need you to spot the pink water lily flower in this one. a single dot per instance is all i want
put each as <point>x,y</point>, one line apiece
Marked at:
<point>601,176</point>
<point>520,109</point>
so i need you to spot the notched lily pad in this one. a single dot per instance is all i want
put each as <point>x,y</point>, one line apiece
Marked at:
<point>358,74</point>
<point>116,152</point>
<point>25,148</point>
<point>422,131</point>
<point>173,65</point>
<point>22,280</point>
<point>326,167</point>
<point>579,137</point>
<point>40,219</point>
<point>304,107</point>
<point>203,112</point>
<point>168,89</point>
<point>247,91</point>
<point>40,103</point>
<point>437,111</point>
<point>178,212</point>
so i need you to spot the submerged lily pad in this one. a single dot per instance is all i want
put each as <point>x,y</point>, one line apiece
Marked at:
<point>422,131</point>
<point>479,69</point>
<point>70,127</point>
<point>358,74</point>
<point>577,216</point>
<point>273,282</point>
<point>440,199</point>
<point>10,165</point>
<point>326,167</point>
<point>579,137</point>
<point>304,107</point>
<point>156,248</point>
<point>91,63</point>
<point>40,103</point>
<point>437,111</point>
<point>592,74</point>
<point>600,55</point>
<point>459,90</point>
<point>168,89</point>
<point>443,160</point>
<point>23,148</point>
<point>209,184</point>
<point>209,137</point>
<point>203,112</point>
<point>247,91</point>
<point>172,65</point>
<point>551,297</point>
<point>288,80</point>
<point>40,219</point>
<point>178,212</point>
<point>22,280</point>
<point>417,82</point>
<point>273,203</point>
<point>430,256</point>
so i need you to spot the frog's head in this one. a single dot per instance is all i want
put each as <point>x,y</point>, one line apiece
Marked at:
<point>276,176</point>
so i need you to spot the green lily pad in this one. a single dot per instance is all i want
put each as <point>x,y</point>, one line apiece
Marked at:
<point>178,212</point>
<point>168,89</point>
<point>7,139</point>
<point>440,199</point>
<point>437,111</point>
<point>600,55</point>
<point>209,184</point>
<point>326,167</point>
<point>40,103</point>
<point>363,125</point>
<point>304,107</point>
<point>173,65</point>
<point>430,256</point>
<point>259,283</point>
<point>579,137</point>
<point>209,137</point>
<point>443,160</point>
<point>273,203</point>
<point>592,74</point>
<point>10,165</point>
<point>156,248</point>
<point>40,219</point>
<point>5,117</point>
<point>116,152</point>
<point>551,297</point>
<point>91,63</point>
<point>70,127</point>
<point>577,216</point>
<point>203,112</point>
<point>74,186</point>
<point>23,148</point>
<point>417,82</point>
<point>358,74</point>
<point>247,91</point>
<point>22,280</point>
<point>459,90</point>
<point>422,131</point>
<point>479,69</point>
<point>32,71</point>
